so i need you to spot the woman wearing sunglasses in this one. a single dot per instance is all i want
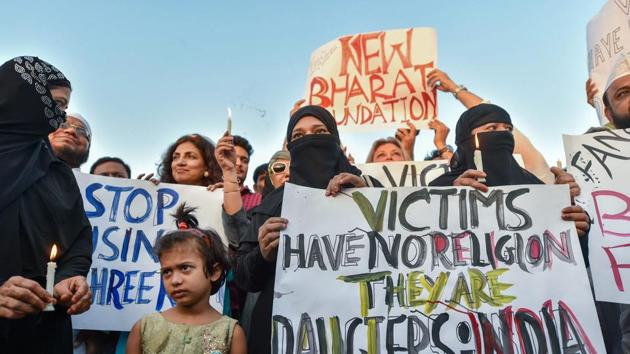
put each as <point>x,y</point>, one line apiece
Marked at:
<point>278,170</point>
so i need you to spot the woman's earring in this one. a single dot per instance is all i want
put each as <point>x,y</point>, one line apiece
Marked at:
<point>205,174</point>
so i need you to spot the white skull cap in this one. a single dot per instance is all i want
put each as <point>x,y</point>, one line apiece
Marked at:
<point>83,120</point>
<point>620,69</point>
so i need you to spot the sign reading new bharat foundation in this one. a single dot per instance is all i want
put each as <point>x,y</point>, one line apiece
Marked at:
<point>128,217</point>
<point>600,163</point>
<point>441,270</point>
<point>376,80</point>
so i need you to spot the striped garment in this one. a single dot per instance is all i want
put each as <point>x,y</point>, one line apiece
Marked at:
<point>250,199</point>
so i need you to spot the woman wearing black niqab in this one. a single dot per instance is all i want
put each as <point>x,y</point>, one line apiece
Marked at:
<point>316,158</point>
<point>40,205</point>
<point>499,166</point>
<point>497,149</point>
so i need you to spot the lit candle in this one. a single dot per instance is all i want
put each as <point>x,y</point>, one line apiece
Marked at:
<point>229,122</point>
<point>478,160</point>
<point>50,276</point>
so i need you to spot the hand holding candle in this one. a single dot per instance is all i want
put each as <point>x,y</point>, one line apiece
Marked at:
<point>559,163</point>
<point>50,276</point>
<point>477,159</point>
<point>229,121</point>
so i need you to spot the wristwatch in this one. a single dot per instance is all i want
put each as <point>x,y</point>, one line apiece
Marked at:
<point>459,89</point>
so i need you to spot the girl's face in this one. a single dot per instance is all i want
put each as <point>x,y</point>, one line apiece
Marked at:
<point>388,152</point>
<point>183,275</point>
<point>308,125</point>
<point>279,172</point>
<point>188,165</point>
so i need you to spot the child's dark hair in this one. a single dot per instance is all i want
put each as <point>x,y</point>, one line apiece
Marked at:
<point>206,242</point>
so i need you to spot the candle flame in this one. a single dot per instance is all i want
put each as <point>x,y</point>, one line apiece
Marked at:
<point>53,253</point>
<point>476,142</point>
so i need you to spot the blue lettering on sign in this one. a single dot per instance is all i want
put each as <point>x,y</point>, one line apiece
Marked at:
<point>112,292</point>
<point>114,287</point>
<point>99,208</point>
<point>141,239</point>
<point>109,244</point>
<point>128,287</point>
<point>167,198</point>
<point>162,196</point>
<point>117,248</point>
<point>142,288</point>
<point>116,200</point>
<point>161,296</point>
<point>130,199</point>
<point>98,285</point>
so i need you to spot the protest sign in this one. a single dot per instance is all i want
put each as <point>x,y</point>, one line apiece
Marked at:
<point>597,158</point>
<point>405,173</point>
<point>127,218</point>
<point>376,80</point>
<point>600,163</point>
<point>609,246</point>
<point>442,270</point>
<point>607,38</point>
<point>410,173</point>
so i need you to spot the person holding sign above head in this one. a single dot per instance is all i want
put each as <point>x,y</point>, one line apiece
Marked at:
<point>486,130</point>
<point>317,161</point>
<point>193,265</point>
<point>40,207</point>
<point>614,318</point>
<point>533,160</point>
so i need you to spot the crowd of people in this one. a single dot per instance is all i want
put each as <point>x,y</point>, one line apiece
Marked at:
<point>40,204</point>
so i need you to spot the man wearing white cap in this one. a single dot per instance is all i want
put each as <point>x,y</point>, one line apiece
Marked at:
<point>614,318</point>
<point>617,95</point>
<point>71,141</point>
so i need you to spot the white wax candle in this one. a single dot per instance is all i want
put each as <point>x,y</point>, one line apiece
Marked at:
<point>50,282</point>
<point>50,276</point>
<point>479,164</point>
<point>229,122</point>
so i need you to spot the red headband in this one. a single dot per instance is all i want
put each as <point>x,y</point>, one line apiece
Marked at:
<point>182,225</point>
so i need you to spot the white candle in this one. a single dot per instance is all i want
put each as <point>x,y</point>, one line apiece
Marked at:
<point>478,160</point>
<point>229,122</point>
<point>50,276</point>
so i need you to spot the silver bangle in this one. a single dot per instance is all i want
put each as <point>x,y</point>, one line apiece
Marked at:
<point>459,89</point>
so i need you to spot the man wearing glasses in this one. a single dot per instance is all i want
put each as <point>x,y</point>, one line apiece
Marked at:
<point>71,141</point>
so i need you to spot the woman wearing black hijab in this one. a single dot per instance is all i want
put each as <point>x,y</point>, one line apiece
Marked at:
<point>492,126</point>
<point>317,161</point>
<point>40,205</point>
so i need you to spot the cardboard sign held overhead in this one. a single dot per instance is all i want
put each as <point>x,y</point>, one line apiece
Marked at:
<point>607,38</point>
<point>376,80</point>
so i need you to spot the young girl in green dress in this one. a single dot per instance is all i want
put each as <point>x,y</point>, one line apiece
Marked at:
<point>193,264</point>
